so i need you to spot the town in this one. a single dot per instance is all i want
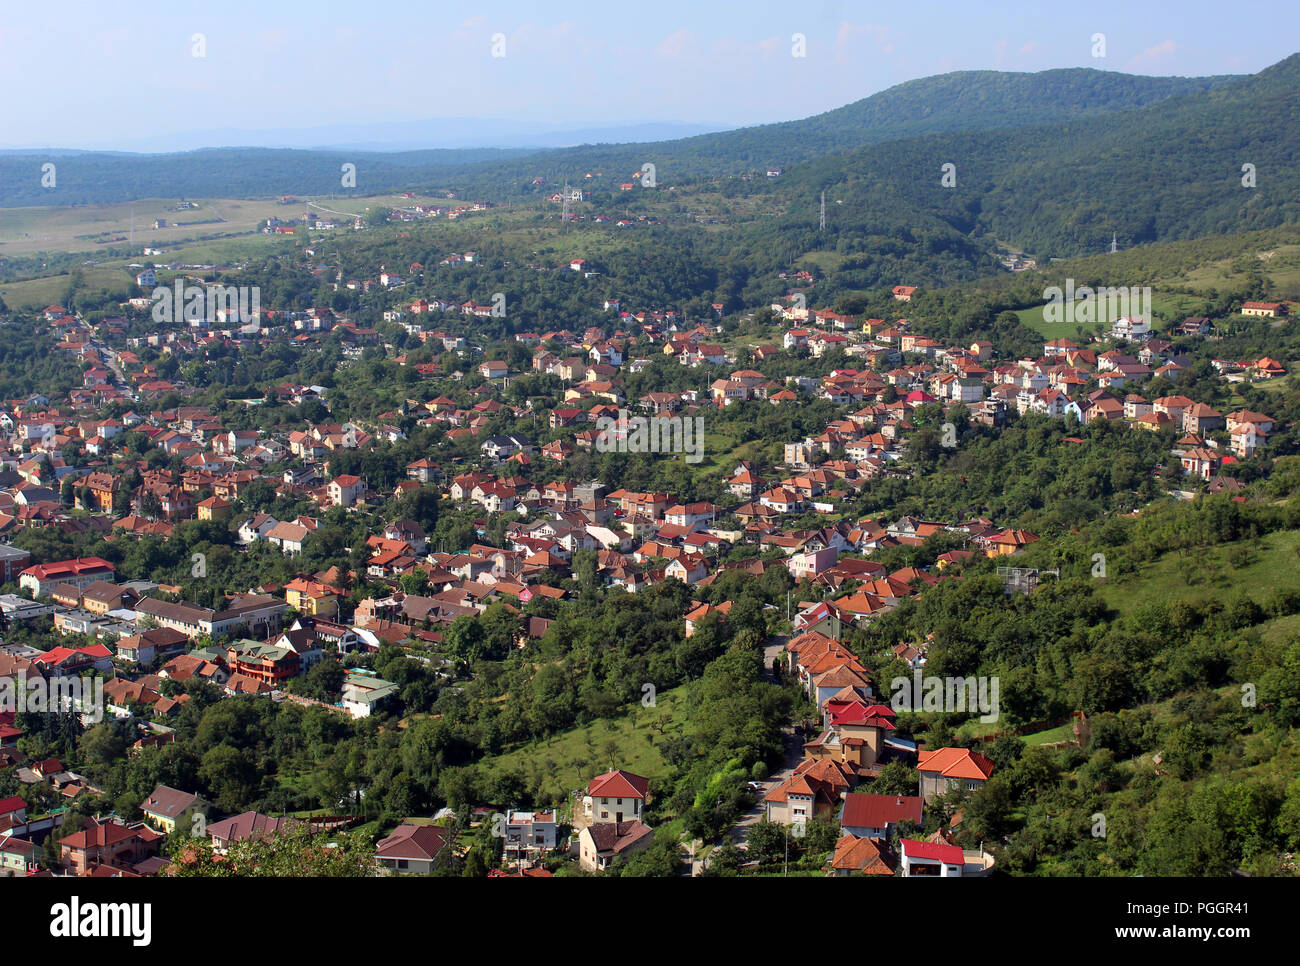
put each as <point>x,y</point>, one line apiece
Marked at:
<point>123,470</point>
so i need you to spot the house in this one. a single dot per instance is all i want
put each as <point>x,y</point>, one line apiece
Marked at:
<point>245,827</point>
<point>110,843</point>
<point>12,562</point>
<point>288,536</point>
<point>931,859</point>
<point>601,844</point>
<point>165,806</point>
<point>100,597</point>
<point>41,579</point>
<point>346,489</point>
<point>18,855</point>
<point>411,849</point>
<point>1267,368</point>
<point>947,768</point>
<point>1265,309</point>
<point>1130,327</point>
<point>214,508</point>
<point>423,470</point>
<point>814,789</point>
<point>861,856</point>
<point>529,834</point>
<point>615,795</point>
<point>312,597</point>
<point>256,528</point>
<point>144,647</point>
<point>365,694</point>
<point>499,448</point>
<point>875,816</point>
<point>258,613</point>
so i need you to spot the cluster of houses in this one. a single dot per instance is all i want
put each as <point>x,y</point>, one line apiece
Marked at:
<point>1066,381</point>
<point>855,737</point>
<point>64,466</point>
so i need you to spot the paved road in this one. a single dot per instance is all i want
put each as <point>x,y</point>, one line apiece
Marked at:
<point>793,755</point>
<point>775,645</point>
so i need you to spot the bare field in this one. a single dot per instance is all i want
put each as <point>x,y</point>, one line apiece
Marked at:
<point>87,228</point>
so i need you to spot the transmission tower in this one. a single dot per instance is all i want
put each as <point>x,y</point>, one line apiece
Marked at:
<point>823,220</point>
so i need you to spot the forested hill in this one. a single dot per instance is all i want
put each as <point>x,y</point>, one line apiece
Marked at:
<point>1166,171</point>
<point>97,177</point>
<point>960,101</point>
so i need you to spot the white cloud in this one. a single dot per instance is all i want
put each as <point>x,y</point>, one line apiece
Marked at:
<point>1152,56</point>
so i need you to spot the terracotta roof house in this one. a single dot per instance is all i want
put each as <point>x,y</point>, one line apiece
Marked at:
<point>166,805</point>
<point>411,848</point>
<point>110,843</point>
<point>615,795</point>
<point>873,816</point>
<point>249,825</point>
<point>947,768</point>
<point>601,844</point>
<point>861,856</point>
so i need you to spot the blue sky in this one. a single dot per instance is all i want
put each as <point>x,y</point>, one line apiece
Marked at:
<point>77,74</point>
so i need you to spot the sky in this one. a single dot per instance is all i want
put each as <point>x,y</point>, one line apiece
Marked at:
<point>112,75</point>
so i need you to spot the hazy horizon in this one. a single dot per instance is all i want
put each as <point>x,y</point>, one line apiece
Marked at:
<point>507,78</point>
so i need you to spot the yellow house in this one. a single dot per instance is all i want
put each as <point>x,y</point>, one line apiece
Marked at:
<point>1009,542</point>
<point>166,806</point>
<point>214,508</point>
<point>311,597</point>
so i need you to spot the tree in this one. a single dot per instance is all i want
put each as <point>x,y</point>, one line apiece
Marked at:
<point>663,859</point>
<point>421,505</point>
<point>414,583</point>
<point>299,852</point>
<point>766,841</point>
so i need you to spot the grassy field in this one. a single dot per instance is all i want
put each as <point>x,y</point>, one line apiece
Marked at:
<point>84,228</point>
<point>1173,306</point>
<point>40,292</point>
<point>1212,574</point>
<point>1281,266</point>
<point>1280,629</point>
<point>569,760</point>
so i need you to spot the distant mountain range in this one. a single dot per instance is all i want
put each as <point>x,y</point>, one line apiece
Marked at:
<point>1053,162</point>
<point>432,134</point>
<point>394,154</point>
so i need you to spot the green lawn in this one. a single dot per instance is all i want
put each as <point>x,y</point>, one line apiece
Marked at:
<point>1211,573</point>
<point>1169,306</point>
<point>571,759</point>
<point>1280,629</point>
<point>40,292</point>
<point>1064,732</point>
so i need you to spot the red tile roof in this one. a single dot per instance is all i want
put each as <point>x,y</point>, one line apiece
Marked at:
<point>618,784</point>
